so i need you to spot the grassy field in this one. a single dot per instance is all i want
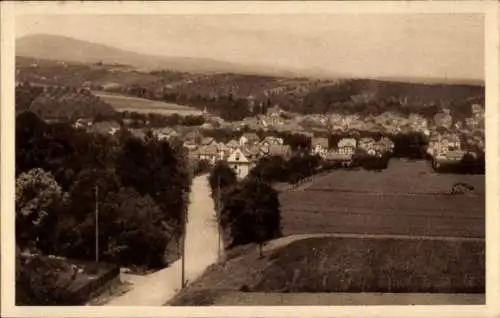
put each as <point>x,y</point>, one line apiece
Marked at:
<point>133,104</point>
<point>315,266</point>
<point>407,199</point>
<point>346,299</point>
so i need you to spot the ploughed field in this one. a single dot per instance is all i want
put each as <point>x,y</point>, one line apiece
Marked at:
<point>406,199</point>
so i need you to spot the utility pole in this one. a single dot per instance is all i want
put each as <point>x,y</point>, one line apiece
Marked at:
<point>183,248</point>
<point>97,224</point>
<point>218,214</point>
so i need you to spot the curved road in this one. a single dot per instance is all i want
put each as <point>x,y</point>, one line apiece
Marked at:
<point>201,251</point>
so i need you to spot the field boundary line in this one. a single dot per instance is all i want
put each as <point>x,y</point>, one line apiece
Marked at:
<point>285,240</point>
<point>325,189</point>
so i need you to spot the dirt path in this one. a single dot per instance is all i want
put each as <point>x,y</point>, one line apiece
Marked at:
<point>201,251</point>
<point>283,241</point>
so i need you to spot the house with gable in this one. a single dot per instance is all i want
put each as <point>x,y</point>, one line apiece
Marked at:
<point>209,153</point>
<point>267,142</point>
<point>240,163</point>
<point>347,146</point>
<point>319,146</point>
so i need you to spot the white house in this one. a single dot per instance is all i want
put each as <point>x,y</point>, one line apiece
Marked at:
<point>347,146</point>
<point>240,163</point>
<point>319,146</point>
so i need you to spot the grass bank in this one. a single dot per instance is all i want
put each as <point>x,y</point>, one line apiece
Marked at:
<point>345,265</point>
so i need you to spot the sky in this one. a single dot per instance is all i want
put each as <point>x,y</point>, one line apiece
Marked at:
<point>408,45</point>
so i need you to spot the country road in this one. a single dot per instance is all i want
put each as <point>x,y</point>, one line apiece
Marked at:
<point>201,251</point>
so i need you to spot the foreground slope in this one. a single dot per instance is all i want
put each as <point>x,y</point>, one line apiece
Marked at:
<point>341,264</point>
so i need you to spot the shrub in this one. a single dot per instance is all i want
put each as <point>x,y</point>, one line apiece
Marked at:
<point>39,283</point>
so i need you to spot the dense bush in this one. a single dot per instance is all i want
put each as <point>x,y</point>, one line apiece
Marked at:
<point>39,283</point>
<point>251,212</point>
<point>364,160</point>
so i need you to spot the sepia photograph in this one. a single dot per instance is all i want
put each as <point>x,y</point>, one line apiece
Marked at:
<point>249,159</point>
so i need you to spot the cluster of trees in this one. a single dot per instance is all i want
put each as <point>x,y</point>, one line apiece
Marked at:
<point>140,187</point>
<point>373,97</point>
<point>249,209</point>
<point>61,102</point>
<point>155,120</point>
<point>364,97</point>
<point>278,169</point>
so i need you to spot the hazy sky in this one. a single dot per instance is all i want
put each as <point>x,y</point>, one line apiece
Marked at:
<point>422,45</point>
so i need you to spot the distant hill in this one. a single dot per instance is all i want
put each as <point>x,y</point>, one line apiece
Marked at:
<point>61,48</point>
<point>67,49</point>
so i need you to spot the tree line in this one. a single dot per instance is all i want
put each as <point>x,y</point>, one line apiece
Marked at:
<point>61,102</point>
<point>140,187</point>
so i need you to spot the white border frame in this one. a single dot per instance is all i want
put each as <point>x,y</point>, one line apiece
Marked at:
<point>490,8</point>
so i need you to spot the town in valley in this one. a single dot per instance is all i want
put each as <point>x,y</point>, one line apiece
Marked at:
<point>149,180</point>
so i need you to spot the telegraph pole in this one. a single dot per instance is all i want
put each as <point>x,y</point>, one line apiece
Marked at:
<point>97,224</point>
<point>183,248</point>
<point>218,211</point>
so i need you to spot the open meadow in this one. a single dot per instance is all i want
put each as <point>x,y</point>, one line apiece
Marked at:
<point>406,199</point>
<point>123,103</point>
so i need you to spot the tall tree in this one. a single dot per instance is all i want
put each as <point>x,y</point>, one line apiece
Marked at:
<point>38,198</point>
<point>155,168</point>
<point>137,235</point>
<point>251,212</point>
<point>221,176</point>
